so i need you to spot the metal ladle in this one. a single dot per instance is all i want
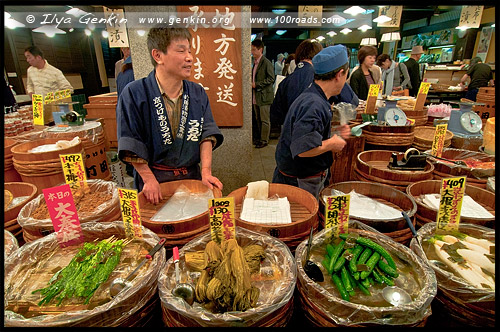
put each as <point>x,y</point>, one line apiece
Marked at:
<point>183,290</point>
<point>119,284</point>
<point>310,268</point>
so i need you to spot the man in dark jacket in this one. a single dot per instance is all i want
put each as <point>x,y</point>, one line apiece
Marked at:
<point>480,76</point>
<point>414,69</point>
<point>262,94</point>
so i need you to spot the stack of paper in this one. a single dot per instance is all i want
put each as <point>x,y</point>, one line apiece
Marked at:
<point>269,212</point>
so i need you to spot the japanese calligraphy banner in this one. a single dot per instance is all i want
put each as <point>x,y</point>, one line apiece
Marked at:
<point>450,205</point>
<point>394,13</point>
<point>129,205</point>
<point>37,103</point>
<point>221,216</point>
<point>216,49</point>
<point>116,27</point>
<point>62,211</point>
<point>371,101</point>
<point>310,16</point>
<point>337,214</point>
<point>421,96</point>
<point>438,141</point>
<point>471,16</point>
<point>74,170</point>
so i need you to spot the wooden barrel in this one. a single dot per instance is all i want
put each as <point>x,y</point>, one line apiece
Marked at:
<point>303,208</point>
<point>425,214</point>
<point>486,96</point>
<point>343,162</point>
<point>420,116</point>
<point>10,173</point>
<point>396,228</point>
<point>23,193</point>
<point>424,136</point>
<point>131,307</point>
<point>93,139</point>
<point>475,176</point>
<point>371,166</point>
<point>43,169</point>
<point>389,136</point>
<point>178,232</point>
<point>323,306</point>
<point>276,301</point>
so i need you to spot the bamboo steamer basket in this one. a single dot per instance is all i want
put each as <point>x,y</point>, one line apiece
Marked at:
<point>93,139</point>
<point>10,173</point>
<point>371,166</point>
<point>274,306</point>
<point>424,136</point>
<point>396,228</point>
<point>457,300</point>
<point>10,243</point>
<point>43,169</point>
<point>426,215</point>
<point>303,209</point>
<point>324,307</point>
<point>475,177</point>
<point>34,229</point>
<point>391,136</point>
<point>131,306</point>
<point>178,232</point>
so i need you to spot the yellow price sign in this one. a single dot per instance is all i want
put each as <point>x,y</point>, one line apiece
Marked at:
<point>37,103</point>
<point>424,88</point>
<point>129,205</point>
<point>421,96</point>
<point>374,89</point>
<point>49,98</point>
<point>452,194</point>
<point>337,214</point>
<point>73,169</point>
<point>66,93</point>
<point>221,217</point>
<point>438,140</point>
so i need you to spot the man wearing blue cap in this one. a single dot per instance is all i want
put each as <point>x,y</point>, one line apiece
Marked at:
<point>305,149</point>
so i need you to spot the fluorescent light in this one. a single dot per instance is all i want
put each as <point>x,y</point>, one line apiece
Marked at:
<point>433,47</point>
<point>368,11</point>
<point>345,31</point>
<point>382,19</point>
<point>364,27</point>
<point>331,33</point>
<point>252,36</point>
<point>462,28</point>
<point>354,10</point>
<point>280,32</point>
<point>76,12</point>
<point>390,36</point>
<point>493,25</point>
<point>278,11</point>
<point>49,30</point>
<point>368,41</point>
<point>320,38</point>
<point>11,23</point>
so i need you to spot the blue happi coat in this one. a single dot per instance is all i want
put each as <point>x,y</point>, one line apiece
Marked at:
<point>144,128</point>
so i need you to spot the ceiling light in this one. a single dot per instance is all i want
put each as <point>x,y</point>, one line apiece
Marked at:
<point>141,32</point>
<point>105,34</point>
<point>345,31</point>
<point>390,36</point>
<point>71,30</point>
<point>49,30</point>
<point>76,12</point>
<point>368,42</point>
<point>368,11</point>
<point>252,36</point>
<point>331,33</point>
<point>463,28</point>
<point>493,25</point>
<point>354,10</point>
<point>11,23</point>
<point>280,32</point>
<point>88,32</point>
<point>320,38</point>
<point>364,27</point>
<point>382,19</point>
<point>337,20</point>
<point>278,11</point>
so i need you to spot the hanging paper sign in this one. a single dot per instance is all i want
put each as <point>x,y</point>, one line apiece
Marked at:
<point>394,13</point>
<point>450,206</point>
<point>37,103</point>
<point>63,213</point>
<point>471,16</point>
<point>439,138</point>
<point>131,215</point>
<point>116,27</point>
<point>421,96</point>
<point>221,216</point>
<point>310,16</point>
<point>74,170</point>
<point>337,214</point>
<point>371,101</point>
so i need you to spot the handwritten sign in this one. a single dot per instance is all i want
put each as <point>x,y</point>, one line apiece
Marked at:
<point>73,169</point>
<point>421,96</point>
<point>372,98</point>
<point>310,16</point>
<point>221,216</point>
<point>131,215</point>
<point>116,26</point>
<point>450,206</point>
<point>49,98</point>
<point>394,12</point>
<point>337,214</point>
<point>470,16</point>
<point>37,103</point>
<point>439,138</point>
<point>62,211</point>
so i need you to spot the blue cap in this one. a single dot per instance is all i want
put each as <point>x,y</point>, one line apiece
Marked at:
<point>329,59</point>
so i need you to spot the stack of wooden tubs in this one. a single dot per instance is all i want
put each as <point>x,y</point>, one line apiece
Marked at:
<point>486,96</point>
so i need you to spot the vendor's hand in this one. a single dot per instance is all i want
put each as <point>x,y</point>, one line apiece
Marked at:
<point>209,180</point>
<point>152,191</point>
<point>336,143</point>
<point>344,131</point>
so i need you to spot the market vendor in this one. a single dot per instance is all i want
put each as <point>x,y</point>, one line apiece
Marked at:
<point>165,124</point>
<point>480,75</point>
<point>304,150</point>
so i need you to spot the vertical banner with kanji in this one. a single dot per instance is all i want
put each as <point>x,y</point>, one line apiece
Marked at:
<point>131,215</point>
<point>450,204</point>
<point>439,138</point>
<point>394,13</point>
<point>371,100</point>
<point>37,103</point>
<point>62,211</point>
<point>216,49</point>
<point>337,214</point>
<point>116,27</point>
<point>309,16</point>
<point>73,170</point>
<point>221,217</point>
<point>470,16</point>
<point>421,96</point>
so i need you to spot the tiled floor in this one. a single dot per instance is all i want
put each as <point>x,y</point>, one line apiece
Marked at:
<point>264,162</point>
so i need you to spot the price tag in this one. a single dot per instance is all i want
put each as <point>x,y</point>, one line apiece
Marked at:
<point>438,140</point>
<point>421,96</point>
<point>63,213</point>
<point>371,101</point>
<point>74,170</point>
<point>221,216</point>
<point>67,93</point>
<point>337,214</point>
<point>58,95</point>
<point>49,98</point>
<point>131,215</point>
<point>450,206</point>
<point>37,103</point>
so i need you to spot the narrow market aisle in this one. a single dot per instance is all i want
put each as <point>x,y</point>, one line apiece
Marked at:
<point>264,162</point>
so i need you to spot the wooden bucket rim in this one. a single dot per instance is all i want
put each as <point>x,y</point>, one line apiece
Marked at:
<point>20,151</point>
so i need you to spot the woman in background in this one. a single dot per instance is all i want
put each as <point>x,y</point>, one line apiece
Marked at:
<point>367,73</point>
<point>394,75</point>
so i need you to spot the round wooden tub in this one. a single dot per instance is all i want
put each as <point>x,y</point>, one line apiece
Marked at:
<point>18,189</point>
<point>424,136</point>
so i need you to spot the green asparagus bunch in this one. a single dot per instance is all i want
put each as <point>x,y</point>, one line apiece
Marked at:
<point>90,267</point>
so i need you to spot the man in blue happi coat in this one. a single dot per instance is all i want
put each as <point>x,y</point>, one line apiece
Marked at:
<point>165,124</point>
<point>305,149</point>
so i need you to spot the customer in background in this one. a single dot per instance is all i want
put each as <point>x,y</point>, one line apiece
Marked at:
<point>365,74</point>
<point>278,65</point>
<point>289,65</point>
<point>125,76</point>
<point>394,75</point>
<point>480,75</point>
<point>414,69</point>
<point>262,94</point>
<point>125,51</point>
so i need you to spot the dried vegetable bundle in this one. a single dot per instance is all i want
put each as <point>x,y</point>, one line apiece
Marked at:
<point>88,269</point>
